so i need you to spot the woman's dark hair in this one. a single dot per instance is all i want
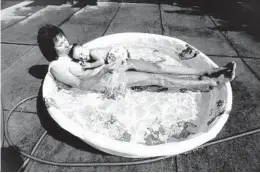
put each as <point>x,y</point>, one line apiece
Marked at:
<point>45,39</point>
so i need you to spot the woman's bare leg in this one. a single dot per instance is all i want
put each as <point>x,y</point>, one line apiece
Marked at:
<point>145,66</point>
<point>141,78</point>
<point>228,71</point>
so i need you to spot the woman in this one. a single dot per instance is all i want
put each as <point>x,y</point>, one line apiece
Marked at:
<point>55,47</point>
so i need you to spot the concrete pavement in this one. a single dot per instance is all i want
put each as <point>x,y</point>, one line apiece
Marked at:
<point>207,26</point>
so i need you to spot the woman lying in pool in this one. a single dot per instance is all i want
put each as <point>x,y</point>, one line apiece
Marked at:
<point>55,47</point>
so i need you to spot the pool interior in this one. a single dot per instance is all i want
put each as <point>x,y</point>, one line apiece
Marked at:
<point>207,105</point>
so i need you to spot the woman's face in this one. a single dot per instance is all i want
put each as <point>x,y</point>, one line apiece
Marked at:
<point>61,45</point>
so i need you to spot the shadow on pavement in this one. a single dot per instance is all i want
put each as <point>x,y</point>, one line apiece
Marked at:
<point>233,15</point>
<point>38,71</point>
<point>11,159</point>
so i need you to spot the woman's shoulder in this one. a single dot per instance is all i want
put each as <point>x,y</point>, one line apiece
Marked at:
<point>58,65</point>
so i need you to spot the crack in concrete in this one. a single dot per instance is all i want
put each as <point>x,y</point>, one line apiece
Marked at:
<point>161,18</point>
<point>20,56</point>
<point>112,19</point>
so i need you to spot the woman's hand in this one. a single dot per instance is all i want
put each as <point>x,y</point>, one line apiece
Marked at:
<point>85,65</point>
<point>110,67</point>
<point>125,66</point>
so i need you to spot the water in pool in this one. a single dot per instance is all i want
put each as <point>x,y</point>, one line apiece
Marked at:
<point>143,114</point>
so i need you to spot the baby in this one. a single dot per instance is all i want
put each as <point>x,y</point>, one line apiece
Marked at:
<point>115,84</point>
<point>80,54</point>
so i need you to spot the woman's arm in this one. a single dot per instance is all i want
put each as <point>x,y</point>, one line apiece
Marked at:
<point>98,56</point>
<point>88,82</point>
<point>64,75</point>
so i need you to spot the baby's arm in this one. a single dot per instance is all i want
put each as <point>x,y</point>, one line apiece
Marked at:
<point>97,63</point>
<point>99,53</point>
<point>98,56</point>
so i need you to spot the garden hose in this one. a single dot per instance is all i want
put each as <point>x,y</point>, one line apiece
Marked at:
<point>82,164</point>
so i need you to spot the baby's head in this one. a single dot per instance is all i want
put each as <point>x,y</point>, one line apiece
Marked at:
<point>79,53</point>
<point>117,54</point>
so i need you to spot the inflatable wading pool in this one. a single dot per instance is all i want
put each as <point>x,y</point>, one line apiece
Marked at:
<point>144,123</point>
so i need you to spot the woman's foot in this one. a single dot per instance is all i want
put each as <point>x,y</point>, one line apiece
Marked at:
<point>221,75</point>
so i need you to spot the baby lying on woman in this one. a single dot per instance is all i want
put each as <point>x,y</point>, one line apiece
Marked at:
<point>119,60</point>
<point>80,54</point>
<point>113,82</point>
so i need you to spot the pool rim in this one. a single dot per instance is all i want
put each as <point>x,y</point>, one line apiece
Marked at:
<point>133,150</point>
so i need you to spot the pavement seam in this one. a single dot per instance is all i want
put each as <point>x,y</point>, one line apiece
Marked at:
<point>67,19</point>
<point>19,57</point>
<point>13,43</point>
<point>248,57</point>
<point>112,19</point>
<point>215,55</point>
<point>15,23</point>
<point>176,163</point>
<point>248,66</point>
<point>233,56</point>
<point>27,163</point>
<point>161,19</point>
<point>237,52</point>
<point>25,17</point>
